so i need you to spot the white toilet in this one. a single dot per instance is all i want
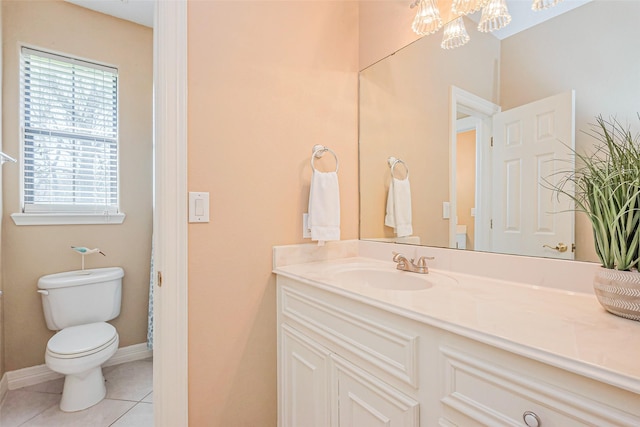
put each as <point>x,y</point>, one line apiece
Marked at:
<point>77,304</point>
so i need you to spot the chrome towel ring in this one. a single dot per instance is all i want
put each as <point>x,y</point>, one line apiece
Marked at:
<point>318,151</point>
<point>393,162</point>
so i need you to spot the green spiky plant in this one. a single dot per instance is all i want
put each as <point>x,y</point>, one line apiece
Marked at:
<point>607,188</point>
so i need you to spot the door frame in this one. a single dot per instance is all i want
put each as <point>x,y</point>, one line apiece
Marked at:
<point>467,124</point>
<point>170,366</point>
<point>461,101</point>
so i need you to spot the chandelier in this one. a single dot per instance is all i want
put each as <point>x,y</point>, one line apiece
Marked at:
<point>495,15</point>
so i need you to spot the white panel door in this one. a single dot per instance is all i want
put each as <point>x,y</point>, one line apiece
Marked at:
<point>304,376</point>
<point>365,401</point>
<point>533,143</point>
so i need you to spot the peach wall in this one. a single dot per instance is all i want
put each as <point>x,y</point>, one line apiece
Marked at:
<point>385,27</point>
<point>466,182</point>
<point>32,251</point>
<point>267,81</point>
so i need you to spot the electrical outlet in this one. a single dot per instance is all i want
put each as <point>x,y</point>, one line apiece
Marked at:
<point>306,233</point>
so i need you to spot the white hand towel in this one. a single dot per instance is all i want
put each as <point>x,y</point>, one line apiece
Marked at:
<point>399,207</point>
<point>324,207</point>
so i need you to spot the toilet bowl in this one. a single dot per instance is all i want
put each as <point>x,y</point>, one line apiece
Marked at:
<point>78,304</point>
<point>79,352</point>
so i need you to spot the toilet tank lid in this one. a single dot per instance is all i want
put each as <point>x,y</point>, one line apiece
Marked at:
<point>80,277</point>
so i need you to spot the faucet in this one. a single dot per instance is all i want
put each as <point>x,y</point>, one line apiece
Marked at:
<point>405,264</point>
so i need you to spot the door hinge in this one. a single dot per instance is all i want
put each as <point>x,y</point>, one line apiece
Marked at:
<point>159,279</point>
<point>491,224</point>
<point>491,141</point>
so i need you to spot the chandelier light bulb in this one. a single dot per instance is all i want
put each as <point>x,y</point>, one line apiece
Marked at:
<point>466,7</point>
<point>455,34</point>
<point>495,15</point>
<point>543,4</point>
<point>427,20</point>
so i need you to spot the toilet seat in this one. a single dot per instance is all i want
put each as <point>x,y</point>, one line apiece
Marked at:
<point>82,340</point>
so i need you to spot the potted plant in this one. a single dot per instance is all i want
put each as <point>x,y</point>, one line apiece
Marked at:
<point>606,187</point>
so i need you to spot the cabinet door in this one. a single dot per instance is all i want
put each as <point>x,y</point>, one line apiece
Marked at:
<point>366,401</point>
<point>304,381</point>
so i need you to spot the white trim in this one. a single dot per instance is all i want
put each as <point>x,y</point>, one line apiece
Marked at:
<point>41,373</point>
<point>468,103</point>
<point>170,368</point>
<point>4,387</point>
<point>66,218</point>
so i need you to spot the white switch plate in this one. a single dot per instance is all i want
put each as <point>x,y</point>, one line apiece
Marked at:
<point>306,233</point>
<point>198,207</point>
<point>446,210</point>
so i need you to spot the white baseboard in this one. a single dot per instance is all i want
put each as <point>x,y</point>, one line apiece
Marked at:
<point>130,354</point>
<point>41,373</point>
<point>4,387</point>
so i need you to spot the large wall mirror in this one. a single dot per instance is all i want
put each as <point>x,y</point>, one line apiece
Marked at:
<point>437,110</point>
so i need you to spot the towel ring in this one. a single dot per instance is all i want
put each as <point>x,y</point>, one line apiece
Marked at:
<point>318,151</point>
<point>393,162</point>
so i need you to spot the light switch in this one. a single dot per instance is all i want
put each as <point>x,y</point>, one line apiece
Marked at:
<point>198,206</point>
<point>446,210</point>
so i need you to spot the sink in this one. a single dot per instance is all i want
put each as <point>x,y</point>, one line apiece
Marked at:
<point>390,279</point>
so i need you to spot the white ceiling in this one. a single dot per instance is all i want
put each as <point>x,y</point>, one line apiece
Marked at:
<point>522,17</point>
<point>138,11</point>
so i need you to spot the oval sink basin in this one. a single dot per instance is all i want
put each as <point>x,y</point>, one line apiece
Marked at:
<point>391,280</point>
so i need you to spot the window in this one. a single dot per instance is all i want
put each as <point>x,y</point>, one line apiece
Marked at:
<point>69,111</point>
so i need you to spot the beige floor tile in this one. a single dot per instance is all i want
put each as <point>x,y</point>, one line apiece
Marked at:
<point>101,415</point>
<point>148,398</point>
<point>129,381</point>
<point>20,406</point>
<point>53,386</point>
<point>140,416</point>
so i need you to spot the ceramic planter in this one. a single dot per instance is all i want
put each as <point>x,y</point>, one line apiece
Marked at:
<point>619,292</point>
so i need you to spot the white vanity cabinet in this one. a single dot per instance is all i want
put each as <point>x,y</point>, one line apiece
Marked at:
<point>344,361</point>
<point>484,386</point>
<point>341,368</point>
<point>321,389</point>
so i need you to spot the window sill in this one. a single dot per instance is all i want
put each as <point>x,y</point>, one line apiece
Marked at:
<point>66,218</point>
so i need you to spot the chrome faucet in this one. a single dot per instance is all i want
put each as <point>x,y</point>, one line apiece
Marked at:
<point>406,264</point>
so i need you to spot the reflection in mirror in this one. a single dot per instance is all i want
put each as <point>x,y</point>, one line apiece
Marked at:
<point>436,110</point>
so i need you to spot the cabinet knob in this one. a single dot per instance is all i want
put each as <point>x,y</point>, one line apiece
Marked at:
<point>531,419</point>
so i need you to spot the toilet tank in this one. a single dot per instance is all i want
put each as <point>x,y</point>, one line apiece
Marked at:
<point>79,297</point>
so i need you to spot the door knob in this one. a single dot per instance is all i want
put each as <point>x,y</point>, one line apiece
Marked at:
<point>561,247</point>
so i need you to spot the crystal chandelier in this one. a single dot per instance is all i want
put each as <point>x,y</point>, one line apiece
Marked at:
<point>465,7</point>
<point>495,16</point>
<point>455,34</point>
<point>543,4</point>
<point>427,20</point>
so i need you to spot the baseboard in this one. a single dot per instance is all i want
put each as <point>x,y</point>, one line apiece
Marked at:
<point>130,354</point>
<point>40,373</point>
<point>4,386</point>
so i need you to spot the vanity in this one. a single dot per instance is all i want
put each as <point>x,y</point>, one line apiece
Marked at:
<point>361,343</point>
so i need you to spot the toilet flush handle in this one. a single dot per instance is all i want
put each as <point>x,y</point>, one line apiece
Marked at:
<point>40,291</point>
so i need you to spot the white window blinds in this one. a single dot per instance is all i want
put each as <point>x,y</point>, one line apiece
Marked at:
<point>70,134</point>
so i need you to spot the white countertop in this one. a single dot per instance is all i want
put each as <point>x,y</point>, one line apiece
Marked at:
<point>561,328</point>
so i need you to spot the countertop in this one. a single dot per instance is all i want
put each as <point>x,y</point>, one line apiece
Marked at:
<point>561,328</point>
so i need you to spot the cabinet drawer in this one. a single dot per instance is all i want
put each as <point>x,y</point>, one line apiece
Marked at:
<point>390,349</point>
<point>477,392</point>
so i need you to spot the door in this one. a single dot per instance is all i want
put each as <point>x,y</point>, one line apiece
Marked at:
<point>365,401</point>
<point>304,381</point>
<point>532,146</point>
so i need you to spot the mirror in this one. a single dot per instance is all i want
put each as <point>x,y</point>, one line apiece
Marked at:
<point>411,102</point>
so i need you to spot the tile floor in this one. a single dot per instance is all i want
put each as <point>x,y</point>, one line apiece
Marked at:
<point>129,401</point>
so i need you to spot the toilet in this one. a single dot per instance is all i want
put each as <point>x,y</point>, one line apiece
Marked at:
<point>78,304</point>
